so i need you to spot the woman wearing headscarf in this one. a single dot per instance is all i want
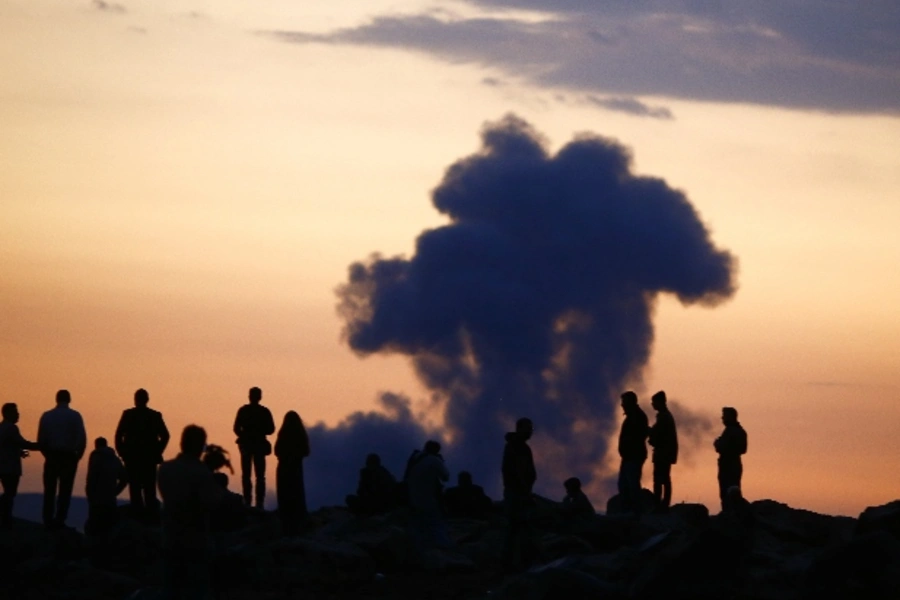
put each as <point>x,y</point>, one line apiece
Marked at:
<point>291,447</point>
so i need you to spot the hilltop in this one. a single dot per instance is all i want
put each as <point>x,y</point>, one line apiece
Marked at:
<point>772,551</point>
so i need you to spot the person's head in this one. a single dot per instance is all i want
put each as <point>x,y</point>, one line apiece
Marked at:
<point>10,412</point>
<point>658,401</point>
<point>432,447</point>
<point>729,415</point>
<point>255,395</point>
<point>373,460</point>
<point>141,397</point>
<point>63,397</point>
<point>525,427</point>
<point>193,440</point>
<point>100,443</point>
<point>464,478</point>
<point>629,400</point>
<point>292,419</point>
<point>572,485</point>
<point>216,457</point>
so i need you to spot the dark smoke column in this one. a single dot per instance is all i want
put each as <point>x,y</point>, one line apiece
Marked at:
<point>537,298</point>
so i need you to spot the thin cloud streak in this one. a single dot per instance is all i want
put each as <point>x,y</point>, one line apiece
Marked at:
<point>788,57</point>
<point>632,106</point>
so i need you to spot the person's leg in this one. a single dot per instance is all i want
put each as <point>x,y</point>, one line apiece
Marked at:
<point>724,484</point>
<point>302,510</point>
<point>66,482</point>
<point>658,484</point>
<point>246,482</point>
<point>623,486</point>
<point>10,484</point>
<point>135,496</point>
<point>259,466</point>
<point>148,487</point>
<point>667,485</point>
<point>50,480</point>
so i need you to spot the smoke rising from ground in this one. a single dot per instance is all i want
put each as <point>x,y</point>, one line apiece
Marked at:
<point>535,300</point>
<point>695,429</point>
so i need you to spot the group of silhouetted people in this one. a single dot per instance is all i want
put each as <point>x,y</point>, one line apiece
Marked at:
<point>636,432</point>
<point>195,492</point>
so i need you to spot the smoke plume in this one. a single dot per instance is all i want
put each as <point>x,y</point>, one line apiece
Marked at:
<point>534,300</point>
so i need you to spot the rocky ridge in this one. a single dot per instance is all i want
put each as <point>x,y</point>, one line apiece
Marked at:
<point>771,551</point>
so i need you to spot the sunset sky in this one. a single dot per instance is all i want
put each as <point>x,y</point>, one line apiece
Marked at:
<point>184,184</point>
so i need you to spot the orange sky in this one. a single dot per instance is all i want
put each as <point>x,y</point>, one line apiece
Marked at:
<point>179,204</point>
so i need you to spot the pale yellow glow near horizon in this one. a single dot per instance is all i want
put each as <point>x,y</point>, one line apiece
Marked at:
<point>179,204</point>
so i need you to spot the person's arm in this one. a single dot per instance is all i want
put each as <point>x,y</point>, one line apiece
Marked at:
<point>121,477</point>
<point>81,436</point>
<point>22,442</point>
<point>42,435</point>
<point>238,423</point>
<point>269,428</point>
<point>163,435</point>
<point>119,441</point>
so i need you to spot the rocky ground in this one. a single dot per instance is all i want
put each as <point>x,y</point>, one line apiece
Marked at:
<point>772,552</point>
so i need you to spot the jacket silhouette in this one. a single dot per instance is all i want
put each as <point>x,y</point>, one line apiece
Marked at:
<point>518,469</point>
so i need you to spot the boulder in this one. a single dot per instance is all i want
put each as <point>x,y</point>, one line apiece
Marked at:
<point>880,518</point>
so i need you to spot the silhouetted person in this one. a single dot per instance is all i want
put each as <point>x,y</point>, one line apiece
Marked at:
<point>664,439</point>
<point>13,448</point>
<point>425,486</point>
<point>376,491</point>
<point>189,494</point>
<point>291,447</point>
<point>730,446</point>
<point>519,476</point>
<point>633,451</point>
<point>62,440</point>
<point>229,514</point>
<point>576,504</point>
<point>106,478</point>
<point>141,439</point>
<point>252,424</point>
<point>467,499</point>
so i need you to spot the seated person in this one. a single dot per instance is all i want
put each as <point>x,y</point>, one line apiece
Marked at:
<point>376,491</point>
<point>229,513</point>
<point>467,499</point>
<point>106,478</point>
<point>576,503</point>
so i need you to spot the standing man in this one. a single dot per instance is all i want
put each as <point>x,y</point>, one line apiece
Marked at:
<point>730,446</point>
<point>189,494</point>
<point>13,447</point>
<point>633,451</point>
<point>62,440</point>
<point>664,439</point>
<point>519,476</point>
<point>141,439</point>
<point>252,424</point>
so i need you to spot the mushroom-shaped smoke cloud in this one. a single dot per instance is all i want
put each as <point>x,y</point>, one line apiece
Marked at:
<point>536,299</point>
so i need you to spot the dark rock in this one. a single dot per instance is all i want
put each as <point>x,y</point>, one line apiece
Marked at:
<point>880,518</point>
<point>802,528</point>
<point>691,515</point>
<point>646,500</point>
<point>867,566</point>
<point>561,578</point>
